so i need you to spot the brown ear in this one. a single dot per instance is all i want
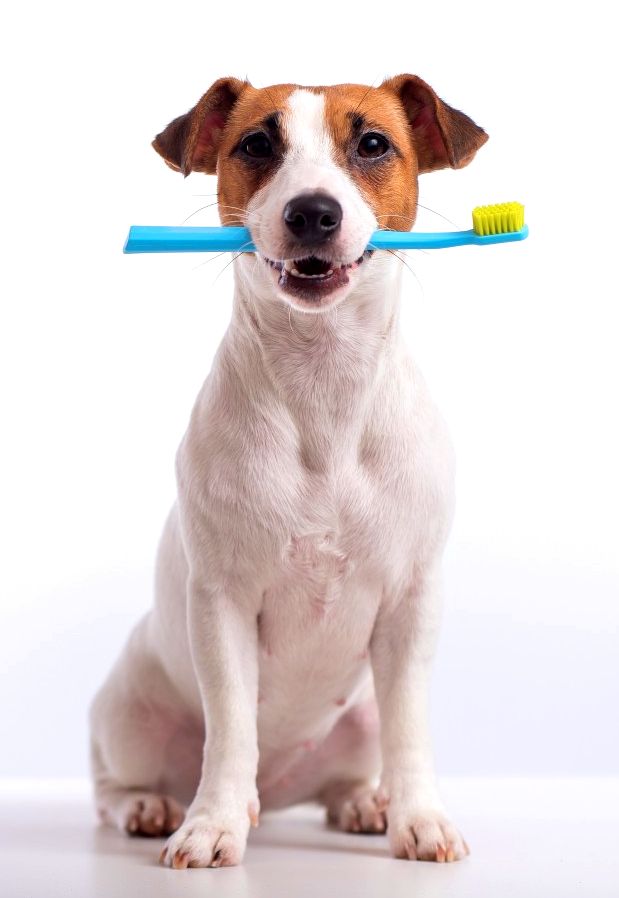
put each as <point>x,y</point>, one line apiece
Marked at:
<point>443,136</point>
<point>191,141</point>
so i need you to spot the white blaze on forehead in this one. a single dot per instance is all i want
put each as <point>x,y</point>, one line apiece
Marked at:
<point>309,164</point>
<point>305,127</point>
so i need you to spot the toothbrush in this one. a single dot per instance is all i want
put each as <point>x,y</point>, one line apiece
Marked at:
<point>501,223</point>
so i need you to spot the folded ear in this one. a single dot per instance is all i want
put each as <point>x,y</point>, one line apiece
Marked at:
<point>191,141</point>
<point>443,136</point>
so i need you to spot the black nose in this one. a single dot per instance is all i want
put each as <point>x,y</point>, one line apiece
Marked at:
<point>313,217</point>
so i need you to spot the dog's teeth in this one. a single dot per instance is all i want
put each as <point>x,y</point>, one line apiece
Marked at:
<point>290,268</point>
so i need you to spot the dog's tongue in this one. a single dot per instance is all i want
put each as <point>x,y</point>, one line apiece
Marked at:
<point>311,265</point>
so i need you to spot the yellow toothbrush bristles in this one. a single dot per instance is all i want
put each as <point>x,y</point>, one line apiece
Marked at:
<point>498,219</point>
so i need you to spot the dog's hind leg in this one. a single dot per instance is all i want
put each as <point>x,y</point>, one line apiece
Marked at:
<point>137,811</point>
<point>145,754</point>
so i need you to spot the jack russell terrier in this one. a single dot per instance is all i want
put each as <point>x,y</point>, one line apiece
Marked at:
<point>297,599</point>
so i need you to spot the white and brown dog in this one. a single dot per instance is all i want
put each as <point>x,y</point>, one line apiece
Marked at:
<point>297,597</point>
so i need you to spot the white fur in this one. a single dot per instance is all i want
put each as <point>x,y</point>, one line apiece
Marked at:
<point>314,500</point>
<point>309,165</point>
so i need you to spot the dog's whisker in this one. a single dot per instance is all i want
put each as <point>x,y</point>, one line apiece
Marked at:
<point>235,256</point>
<point>407,217</point>
<point>392,215</point>
<point>371,87</point>
<point>405,263</point>
<point>271,100</point>
<point>401,259</point>
<point>238,212</point>
<point>211,259</point>
<point>201,209</point>
<point>440,215</point>
<point>238,208</point>
<point>221,206</point>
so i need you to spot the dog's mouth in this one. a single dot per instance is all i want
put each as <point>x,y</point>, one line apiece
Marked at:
<point>312,279</point>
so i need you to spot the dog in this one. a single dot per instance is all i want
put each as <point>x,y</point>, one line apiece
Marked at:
<point>297,594</point>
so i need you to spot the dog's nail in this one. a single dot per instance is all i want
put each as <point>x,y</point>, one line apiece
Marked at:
<point>440,853</point>
<point>381,798</point>
<point>253,812</point>
<point>180,861</point>
<point>410,852</point>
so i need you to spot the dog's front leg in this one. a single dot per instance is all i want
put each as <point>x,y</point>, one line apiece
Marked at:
<point>223,638</point>
<point>401,649</point>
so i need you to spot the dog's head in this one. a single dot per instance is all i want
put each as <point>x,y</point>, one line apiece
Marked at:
<point>313,171</point>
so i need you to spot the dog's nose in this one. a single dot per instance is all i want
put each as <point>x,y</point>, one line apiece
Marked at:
<point>313,217</point>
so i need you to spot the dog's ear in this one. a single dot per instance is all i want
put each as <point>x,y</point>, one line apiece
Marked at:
<point>443,136</point>
<point>191,141</point>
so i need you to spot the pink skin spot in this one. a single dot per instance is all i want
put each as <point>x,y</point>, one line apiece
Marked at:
<point>260,697</point>
<point>362,656</point>
<point>340,702</point>
<point>306,745</point>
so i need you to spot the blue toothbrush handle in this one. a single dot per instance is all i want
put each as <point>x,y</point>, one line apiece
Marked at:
<point>163,239</point>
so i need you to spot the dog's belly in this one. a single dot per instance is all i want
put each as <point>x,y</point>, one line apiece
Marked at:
<point>314,631</point>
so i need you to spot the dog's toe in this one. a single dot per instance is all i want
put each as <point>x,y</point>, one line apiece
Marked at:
<point>147,814</point>
<point>360,814</point>
<point>426,837</point>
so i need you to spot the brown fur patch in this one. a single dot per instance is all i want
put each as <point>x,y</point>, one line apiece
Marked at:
<point>238,181</point>
<point>443,136</point>
<point>388,185</point>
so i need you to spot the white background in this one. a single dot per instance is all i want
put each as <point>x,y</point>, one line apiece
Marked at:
<point>102,354</point>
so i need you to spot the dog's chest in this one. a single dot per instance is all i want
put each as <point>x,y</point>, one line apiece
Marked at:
<point>320,604</point>
<point>334,560</point>
<point>319,564</point>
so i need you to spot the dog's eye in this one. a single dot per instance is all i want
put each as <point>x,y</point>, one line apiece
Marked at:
<point>258,146</point>
<point>372,145</point>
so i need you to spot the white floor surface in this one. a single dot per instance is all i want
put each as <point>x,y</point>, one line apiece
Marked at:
<point>528,837</point>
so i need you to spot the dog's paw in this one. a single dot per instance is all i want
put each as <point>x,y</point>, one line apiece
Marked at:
<point>425,836</point>
<point>146,814</point>
<point>205,841</point>
<point>360,814</point>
